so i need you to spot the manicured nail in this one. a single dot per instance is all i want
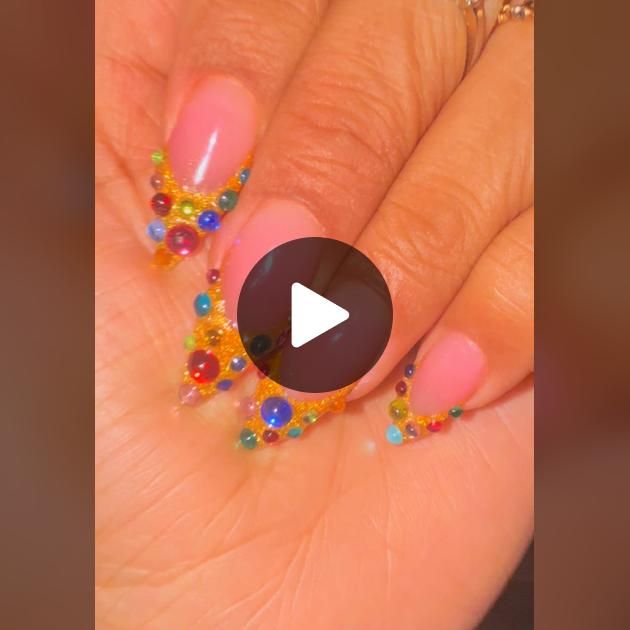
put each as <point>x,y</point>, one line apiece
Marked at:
<point>447,375</point>
<point>433,390</point>
<point>213,134</point>
<point>199,176</point>
<point>274,222</point>
<point>271,415</point>
<point>216,357</point>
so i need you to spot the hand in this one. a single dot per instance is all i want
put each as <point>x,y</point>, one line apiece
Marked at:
<point>361,119</point>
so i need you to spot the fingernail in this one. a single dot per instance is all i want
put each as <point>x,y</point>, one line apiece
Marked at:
<point>199,178</point>
<point>447,375</point>
<point>271,415</point>
<point>213,134</point>
<point>275,222</point>
<point>216,357</point>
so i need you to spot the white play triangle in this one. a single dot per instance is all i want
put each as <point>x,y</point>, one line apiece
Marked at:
<point>312,315</point>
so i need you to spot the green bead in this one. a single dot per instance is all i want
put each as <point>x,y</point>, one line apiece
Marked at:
<point>248,439</point>
<point>187,208</point>
<point>309,417</point>
<point>189,342</point>
<point>157,157</point>
<point>455,412</point>
<point>294,432</point>
<point>398,409</point>
<point>227,200</point>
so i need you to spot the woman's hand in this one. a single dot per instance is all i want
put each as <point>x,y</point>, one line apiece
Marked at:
<point>360,125</point>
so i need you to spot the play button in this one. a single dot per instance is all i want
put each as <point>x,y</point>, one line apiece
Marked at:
<point>314,315</point>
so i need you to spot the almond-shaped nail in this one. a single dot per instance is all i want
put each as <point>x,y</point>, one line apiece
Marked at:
<point>213,134</point>
<point>449,374</point>
<point>276,221</point>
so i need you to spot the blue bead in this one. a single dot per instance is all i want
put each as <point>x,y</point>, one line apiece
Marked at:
<point>276,412</point>
<point>394,435</point>
<point>224,385</point>
<point>156,230</point>
<point>237,364</point>
<point>294,432</point>
<point>244,175</point>
<point>202,304</point>
<point>209,221</point>
<point>409,370</point>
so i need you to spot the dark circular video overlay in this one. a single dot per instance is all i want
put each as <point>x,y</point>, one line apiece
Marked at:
<point>325,277</point>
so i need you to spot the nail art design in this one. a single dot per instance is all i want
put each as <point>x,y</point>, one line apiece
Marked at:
<point>408,426</point>
<point>271,416</point>
<point>216,355</point>
<point>183,217</point>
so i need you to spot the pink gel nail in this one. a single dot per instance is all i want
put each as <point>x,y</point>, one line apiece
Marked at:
<point>214,133</point>
<point>448,375</point>
<point>274,222</point>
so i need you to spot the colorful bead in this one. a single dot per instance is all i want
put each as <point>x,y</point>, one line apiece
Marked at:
<point>156,230</point>
<point>434,426</point>
<point>411,430</point>
<point>401,388</point>
<point>189,342</point>
<point>182,240</point>
<point>294,432</point>
<point>209,221</point>
<point>156,181</point>
<point>212,275</point>
<point>398,409</point>
<point>276,412</point>
<point>243,175</point>
<point>186,208</point>
<point>409,370</point>
<point>161,204</point>
<point>203,366</point>
<point>309,417</point>
<point>260,344</point>
<point>224,385</point>
<point>228,199</point>
<point>248,439</point>
<point>269,436</point>
<point>237,364</point>
<point>455,412</point>
<point>202,304</point>
<point>163,258</point>
<point>157,157</point>
<point>189,395</point>
<point>394,434</point>
<point>214,337</point>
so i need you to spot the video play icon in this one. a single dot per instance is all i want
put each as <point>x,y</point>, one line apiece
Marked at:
<point>314,315</point>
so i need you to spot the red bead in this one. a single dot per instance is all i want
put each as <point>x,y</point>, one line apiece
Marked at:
<point>161,204</point>
<point>269,436</point>
<point>182,239</point>
<point>401,388</point>
<point>203,366</point>
<point>212,275</point>
<point>434,427</point>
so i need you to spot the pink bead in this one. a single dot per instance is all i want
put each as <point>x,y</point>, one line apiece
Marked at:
<point>189,395</point>
<point>182,239</point>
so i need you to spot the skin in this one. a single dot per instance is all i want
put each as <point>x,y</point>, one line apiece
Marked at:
<point>338,529</point>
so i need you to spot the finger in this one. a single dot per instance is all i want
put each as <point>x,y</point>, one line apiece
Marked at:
<point>231,66</point>
<point>369,85</point>
<point>470,176</point>
<point>483,345</point>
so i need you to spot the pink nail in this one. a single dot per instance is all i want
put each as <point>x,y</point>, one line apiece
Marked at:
<point>448,375</point>
<point>274,222</point>
<point>214,133</point>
